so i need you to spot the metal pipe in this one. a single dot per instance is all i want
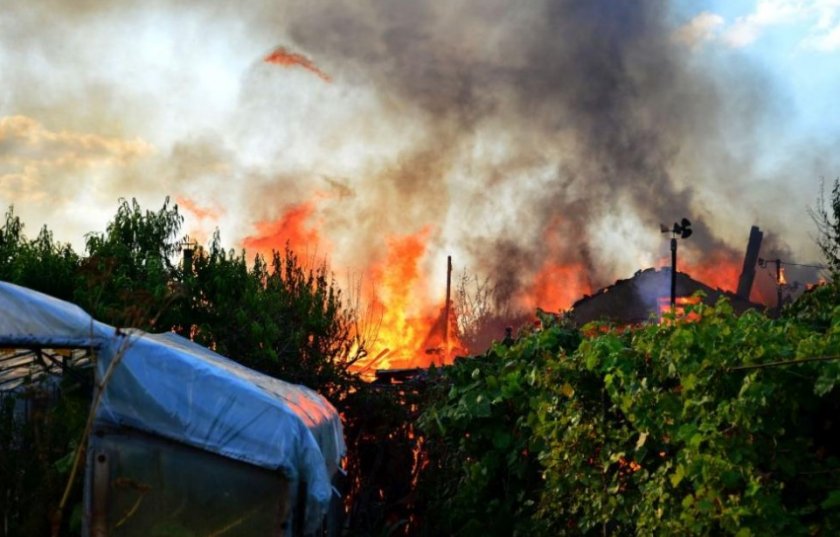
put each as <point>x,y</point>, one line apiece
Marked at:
<point>673,273</point>
<point>99,507</point>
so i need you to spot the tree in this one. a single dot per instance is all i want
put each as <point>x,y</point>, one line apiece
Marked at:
<point>128,274</point>
<point>826,216</point>
<point>275,316</point>
<point>41,264</point>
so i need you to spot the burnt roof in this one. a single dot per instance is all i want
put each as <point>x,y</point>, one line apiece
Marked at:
<point>636,299</point>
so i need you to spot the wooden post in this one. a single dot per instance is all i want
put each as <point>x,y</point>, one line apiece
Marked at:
<point>779,287</point>
<point>447,308</point>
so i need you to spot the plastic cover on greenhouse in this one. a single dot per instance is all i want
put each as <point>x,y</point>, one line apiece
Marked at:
<point>167,385</point>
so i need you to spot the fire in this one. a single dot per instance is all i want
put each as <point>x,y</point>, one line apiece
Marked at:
<point>680,304</point>
<point>291,228</point>
<point>205,217</point>
<point>556,287</point>
<point>718,270</point>
<point>722,270</point>
<point>412,333</point>
<point>283,57</point>
<point>412,330</point>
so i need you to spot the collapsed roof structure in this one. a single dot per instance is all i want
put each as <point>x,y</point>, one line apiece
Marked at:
<point>644,296</point>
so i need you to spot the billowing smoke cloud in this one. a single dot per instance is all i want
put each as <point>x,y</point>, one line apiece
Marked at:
<point>551,118</point>
<point>532,139</point>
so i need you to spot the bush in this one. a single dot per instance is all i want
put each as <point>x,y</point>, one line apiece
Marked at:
<point>701,428</point>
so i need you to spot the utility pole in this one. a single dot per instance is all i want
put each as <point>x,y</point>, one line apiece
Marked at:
<point>779,281</point>
<point>779,287</point>
<point>447,308</point>
<point>673,273</point>
<point>683,229</point>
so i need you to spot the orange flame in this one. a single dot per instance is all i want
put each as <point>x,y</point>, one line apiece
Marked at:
<point>411,331</point>
<point>680,304</point>
<point>556,287</point>
<point>722,270</point>
<point>718,270</point>
<point>283,57</point>
<point>291,228</point>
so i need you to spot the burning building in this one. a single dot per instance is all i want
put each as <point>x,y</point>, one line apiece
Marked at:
<point>645,296</point>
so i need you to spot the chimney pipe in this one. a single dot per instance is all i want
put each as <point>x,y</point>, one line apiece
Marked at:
<point>745,282</point>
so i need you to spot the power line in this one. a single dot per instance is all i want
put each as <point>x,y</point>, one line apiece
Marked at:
<point>764,262</point>
<point>796,361</point>
<point>821,267</point>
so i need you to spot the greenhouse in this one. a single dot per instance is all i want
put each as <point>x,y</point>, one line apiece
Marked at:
<point>184,441</point>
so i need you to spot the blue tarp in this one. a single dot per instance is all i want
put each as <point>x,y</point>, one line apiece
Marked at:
<point>167,385</point>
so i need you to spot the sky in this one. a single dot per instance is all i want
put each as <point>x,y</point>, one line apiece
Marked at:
<point>548,137</point>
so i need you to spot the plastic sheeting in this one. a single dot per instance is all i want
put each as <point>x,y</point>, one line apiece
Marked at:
<point>31,318</point>
<point>172,387</point>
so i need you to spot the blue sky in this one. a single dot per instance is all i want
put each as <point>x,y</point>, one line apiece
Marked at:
<point>796,42</point>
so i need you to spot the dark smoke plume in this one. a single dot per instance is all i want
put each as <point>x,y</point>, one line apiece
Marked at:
<point>594,97</point>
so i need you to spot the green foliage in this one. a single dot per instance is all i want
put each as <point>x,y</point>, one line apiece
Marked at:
<point>484,476</point>
<point>815,307</point>
<point>664,435</point>
<point>277,317</point>
<point>826,216</point>
<point>40,264</point>
<point>128,273</point>
<point>699,428</point>
<point>281,319</point>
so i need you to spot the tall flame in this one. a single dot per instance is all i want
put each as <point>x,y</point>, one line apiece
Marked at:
<point>412,329</point>
<point>410,322</point>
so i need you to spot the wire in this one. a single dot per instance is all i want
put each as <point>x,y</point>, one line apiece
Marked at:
<point>796,361</point>
<point>766,262</point>
<point>821,267</point>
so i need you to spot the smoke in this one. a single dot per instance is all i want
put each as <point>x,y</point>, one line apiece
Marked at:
<point>577,109</point>
<point>528,138</point>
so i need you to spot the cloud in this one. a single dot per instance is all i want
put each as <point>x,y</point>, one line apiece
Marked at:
<point>747,29</point>
<point>704,27</point>
<point>825,41</point>
<point>25,141</point>
<point>824,36</point>
<point>36,162</point>
<point>819,17</point>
